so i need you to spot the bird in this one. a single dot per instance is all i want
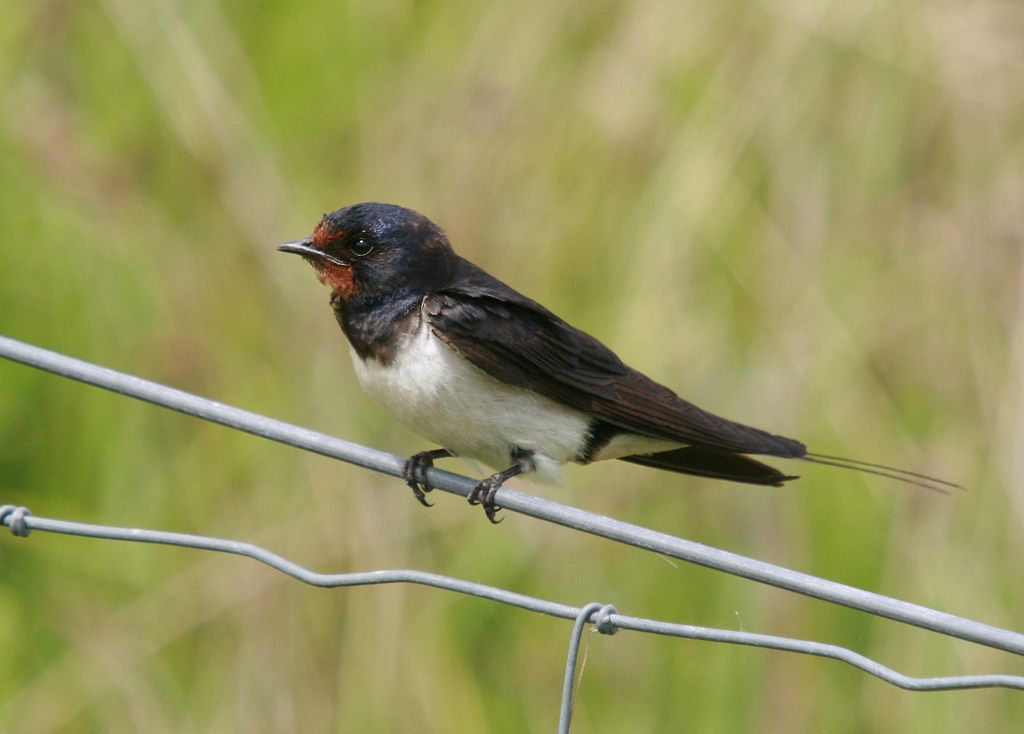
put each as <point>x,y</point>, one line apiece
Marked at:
<point>484,372</point>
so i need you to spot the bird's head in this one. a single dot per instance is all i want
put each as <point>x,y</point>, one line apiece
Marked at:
<point>372,251</point>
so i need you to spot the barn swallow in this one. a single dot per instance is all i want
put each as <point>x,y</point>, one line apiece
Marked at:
<point>476,367</point>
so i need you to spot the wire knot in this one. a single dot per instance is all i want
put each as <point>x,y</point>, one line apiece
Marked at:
<point>14,516</point>
<point>603,620</point>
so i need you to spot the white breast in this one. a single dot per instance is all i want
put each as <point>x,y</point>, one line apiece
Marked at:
<point>440,395</point>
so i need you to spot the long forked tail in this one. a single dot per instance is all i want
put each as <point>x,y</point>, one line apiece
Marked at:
<point>900,475</point>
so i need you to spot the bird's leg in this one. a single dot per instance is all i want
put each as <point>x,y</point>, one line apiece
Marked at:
<point>483,493</point>
<point>415,472</point>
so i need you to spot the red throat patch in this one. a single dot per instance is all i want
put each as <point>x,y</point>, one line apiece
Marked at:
<point>338,277</point>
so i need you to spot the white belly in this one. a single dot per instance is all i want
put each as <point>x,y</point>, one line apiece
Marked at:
<point>439,395</point>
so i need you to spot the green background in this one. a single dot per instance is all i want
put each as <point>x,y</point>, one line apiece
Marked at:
<point>807,216</point>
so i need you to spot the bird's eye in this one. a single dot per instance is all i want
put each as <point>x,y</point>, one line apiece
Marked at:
<point>361,246</point>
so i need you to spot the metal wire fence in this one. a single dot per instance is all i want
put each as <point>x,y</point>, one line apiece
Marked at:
<point>604,616</point>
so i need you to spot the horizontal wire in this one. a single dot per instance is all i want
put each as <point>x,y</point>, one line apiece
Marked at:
<point>514,500</point>
<point>604,617</point>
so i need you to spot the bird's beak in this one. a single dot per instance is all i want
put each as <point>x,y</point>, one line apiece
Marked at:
<point>300,247</point>
<point>306,249</point>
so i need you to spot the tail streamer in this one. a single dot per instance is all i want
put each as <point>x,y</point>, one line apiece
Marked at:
<point>901,475</point>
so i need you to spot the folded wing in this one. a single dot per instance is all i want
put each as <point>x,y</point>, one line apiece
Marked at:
<point>526,345</point>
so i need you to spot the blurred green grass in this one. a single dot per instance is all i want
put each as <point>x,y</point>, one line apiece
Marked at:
<point>806,216</point>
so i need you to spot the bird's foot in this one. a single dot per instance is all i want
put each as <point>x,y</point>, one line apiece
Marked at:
<point>484,491</point>
<point>415,473</point>
<point>483,494</point>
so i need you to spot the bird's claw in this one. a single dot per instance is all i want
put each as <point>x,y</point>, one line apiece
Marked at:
<point>415,475</point>
<point>483,494</point>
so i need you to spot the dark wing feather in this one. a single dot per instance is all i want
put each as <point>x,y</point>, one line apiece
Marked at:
<point>716,464</point>
<point>521,343</point>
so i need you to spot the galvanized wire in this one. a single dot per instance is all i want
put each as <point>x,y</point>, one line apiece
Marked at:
<point>602,614</point>
<point>516,501</point>
<point>607,619</point>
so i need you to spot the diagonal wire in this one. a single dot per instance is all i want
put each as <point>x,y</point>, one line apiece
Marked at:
<point>605,617</point>
<point>517,501</point>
